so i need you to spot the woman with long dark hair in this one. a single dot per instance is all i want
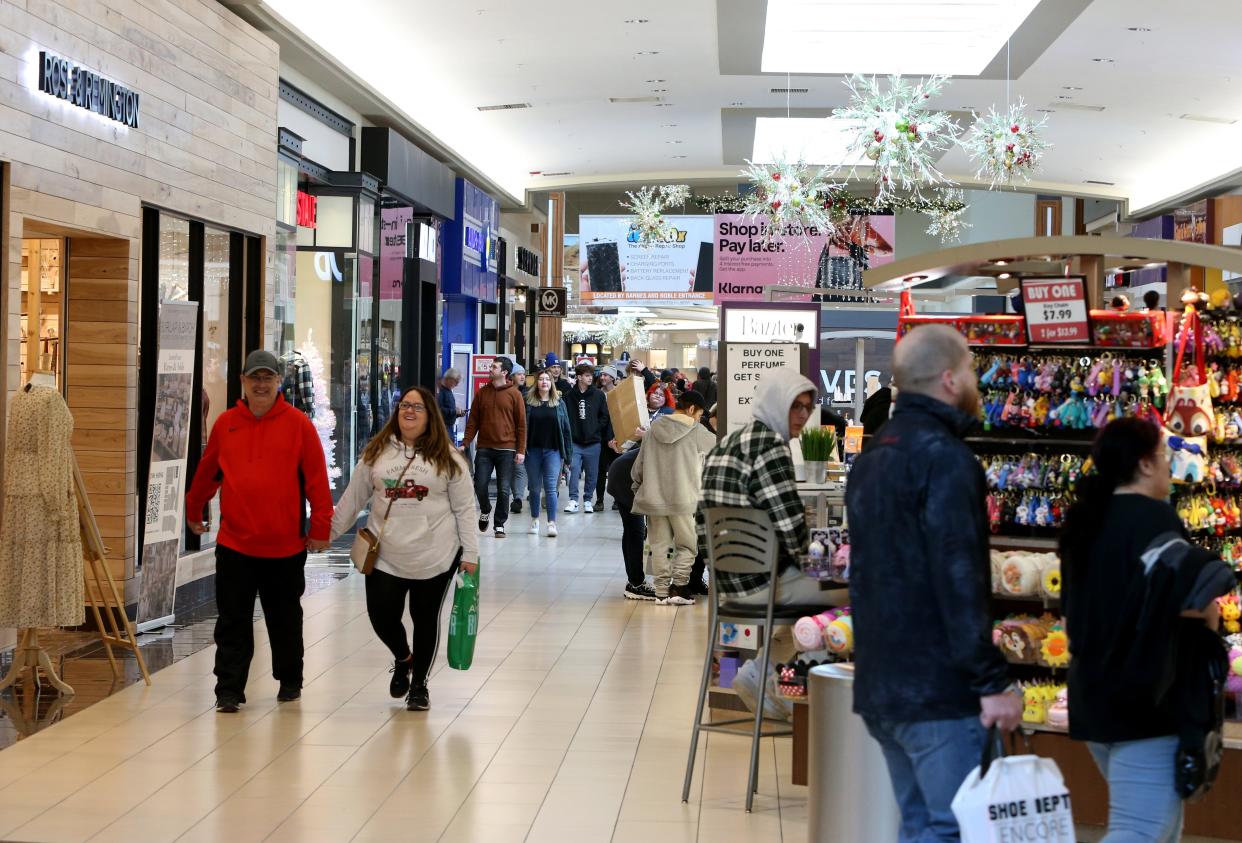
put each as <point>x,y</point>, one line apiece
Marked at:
<point>411,472</point>
<point>549,445</point>
<point>1136,596</point>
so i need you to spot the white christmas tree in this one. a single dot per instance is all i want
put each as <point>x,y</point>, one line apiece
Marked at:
<point>323,418</point>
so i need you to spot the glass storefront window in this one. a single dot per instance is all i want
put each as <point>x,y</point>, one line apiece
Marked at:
<point>286,192</point>
<point>284,274</point>
<point>215,339</point>
<point>174,258</point>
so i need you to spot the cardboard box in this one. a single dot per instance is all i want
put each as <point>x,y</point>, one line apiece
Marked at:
<point>627,407</point>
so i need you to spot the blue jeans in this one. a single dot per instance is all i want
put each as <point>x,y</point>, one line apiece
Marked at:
<point>585,457</point>
<point>487,460</point>
<point>543,464</point>
<point>1143,807</point>
<point>927,762</point>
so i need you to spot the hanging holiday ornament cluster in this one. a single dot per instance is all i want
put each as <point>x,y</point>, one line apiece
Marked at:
<point>792,197</point>
<point>647,206</point>
<point>854,202</point>
<point>624,332</point>
<point>894,128</point>
<point>948,224</point>
<point>1005,145</point>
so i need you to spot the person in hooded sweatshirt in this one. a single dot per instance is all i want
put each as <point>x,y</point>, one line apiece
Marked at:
<point>666,490</point>
<point>753,467</point>
<point>590,424</point>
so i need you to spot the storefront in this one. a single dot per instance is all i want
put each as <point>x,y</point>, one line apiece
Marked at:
<point>125,187</point>
<point>469,283</point>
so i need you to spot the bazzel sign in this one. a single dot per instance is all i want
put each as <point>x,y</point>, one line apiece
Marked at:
<point>65,80</point>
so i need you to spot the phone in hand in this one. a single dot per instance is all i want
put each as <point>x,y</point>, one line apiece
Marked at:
<point>604,266</point>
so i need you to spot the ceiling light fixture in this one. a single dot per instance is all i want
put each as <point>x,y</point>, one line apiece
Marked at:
<point>737,104</point>
<point>673,141</point>
<point>656,81</point>
<point>509,106</point>
<point>1098,181</point>
<point>1204,118</point>
<point>668,125</point>
<point>1138,29</point>
<point>647,53</point>
<point>638,20</point>
<point>929,36</point>
<point>1103,61</point>
<point>633,99</point>
<point>663,105</point>
<point>679,156</point>
<point>659,90</point>
<point>1004,275</point>
<point>1070,88</point>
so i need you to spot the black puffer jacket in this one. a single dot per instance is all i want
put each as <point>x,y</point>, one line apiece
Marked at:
<point>920,579</point>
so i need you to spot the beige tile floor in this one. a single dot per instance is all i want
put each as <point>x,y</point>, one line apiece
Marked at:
<point>572,725</point>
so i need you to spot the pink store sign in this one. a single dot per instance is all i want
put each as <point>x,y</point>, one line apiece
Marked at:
<point>747,262</point>
<point>394,223</point>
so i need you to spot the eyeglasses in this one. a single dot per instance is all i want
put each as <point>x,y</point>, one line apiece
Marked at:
<point>407,407</point>
<point>799,407</point>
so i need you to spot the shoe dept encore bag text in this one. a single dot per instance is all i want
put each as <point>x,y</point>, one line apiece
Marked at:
<point>464,619</point>
<point>366,547</point>
<point>1022,797</point>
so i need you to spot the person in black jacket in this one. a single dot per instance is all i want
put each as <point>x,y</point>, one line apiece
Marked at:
<point>447,401</point>
<point>929,682</point>
<point>589,421</point>
<point>633,527</point>
<point>1136,595</point>
<point>705,386</point>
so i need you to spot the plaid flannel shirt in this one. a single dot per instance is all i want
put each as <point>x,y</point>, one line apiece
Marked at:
<point>751,467</point>
<point>298,385</point>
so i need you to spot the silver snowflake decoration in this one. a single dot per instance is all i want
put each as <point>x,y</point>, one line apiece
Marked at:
<point>624,332</point>
<point>895,130</point>
<point>1006,145</point>
<point>792,197</point>
<point>948,223</point>
<point>647,206</point>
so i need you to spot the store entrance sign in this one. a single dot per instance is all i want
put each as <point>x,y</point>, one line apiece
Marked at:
<point>1056,310</point>
<point>307,209</point>
<point>528,261</point>
<point>76,85</point>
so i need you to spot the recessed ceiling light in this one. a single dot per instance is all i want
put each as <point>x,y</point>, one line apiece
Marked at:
<point>638,20</point>
<point>659,90</point>
<point>790,90</point>
<point>1070,88</point>
<point>633,99</point>
<point>509,106</point>
<point>932,36</point>
<point>1103,61</point>
<point>1004,275</point>
<point>1138,28</point>
<point>673,141</point>
<point>1001,263</point>
<point>1098,181</point>
<point>1064,97</point>
<point>679,156</point>
<point>656,81</point>
<point>647,53</point>
<point>663,105</point>
<point>737,104</point>
<point>1046,110</point>
<point>1204,118</point>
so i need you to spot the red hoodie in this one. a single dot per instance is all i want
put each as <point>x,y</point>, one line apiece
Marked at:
<point>265,465</point>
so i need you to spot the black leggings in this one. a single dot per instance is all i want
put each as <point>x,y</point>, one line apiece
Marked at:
<point>386,602</point>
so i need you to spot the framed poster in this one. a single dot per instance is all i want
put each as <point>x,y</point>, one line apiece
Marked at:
<point>744,365</point>
<point>1056,310</point>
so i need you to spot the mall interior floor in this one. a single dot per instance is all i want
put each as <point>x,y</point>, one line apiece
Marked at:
<point>572,725</point>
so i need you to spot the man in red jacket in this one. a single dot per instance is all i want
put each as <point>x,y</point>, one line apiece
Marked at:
<point>268,460</point>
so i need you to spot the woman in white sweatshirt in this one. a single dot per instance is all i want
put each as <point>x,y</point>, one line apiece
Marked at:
<point>411,472</point>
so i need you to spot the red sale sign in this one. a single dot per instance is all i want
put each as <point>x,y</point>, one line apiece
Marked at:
<point>1056,310</point>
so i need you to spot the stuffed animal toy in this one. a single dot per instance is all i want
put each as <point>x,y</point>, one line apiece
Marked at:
<point>839,636</point>
<point>1054,650</point>
<point>1233,684</point>
<point>1033,709</point>
<point>1230,613</point>
<point>1058,713</point>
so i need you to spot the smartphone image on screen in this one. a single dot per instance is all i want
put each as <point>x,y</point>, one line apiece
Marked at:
<point>604,266</point>
<point>703,272</point>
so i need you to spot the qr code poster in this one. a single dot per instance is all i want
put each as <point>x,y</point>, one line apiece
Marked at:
<point>165,494</point>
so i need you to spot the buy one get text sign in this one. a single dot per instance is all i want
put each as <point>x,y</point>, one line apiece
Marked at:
<point>1056,310</point>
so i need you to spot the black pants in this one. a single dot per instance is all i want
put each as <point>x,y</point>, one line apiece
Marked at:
<point>633,536</point>
<point>485,461</point>
<point>606,457</point>
<point>386,603</point>
<point>279,584</point>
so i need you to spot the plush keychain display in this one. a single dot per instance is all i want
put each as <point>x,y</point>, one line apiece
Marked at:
<point>1018,573</point>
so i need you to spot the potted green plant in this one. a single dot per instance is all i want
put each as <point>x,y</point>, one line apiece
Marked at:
<point>819,447</point>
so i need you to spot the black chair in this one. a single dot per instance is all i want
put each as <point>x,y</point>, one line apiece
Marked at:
<point>741,541</point>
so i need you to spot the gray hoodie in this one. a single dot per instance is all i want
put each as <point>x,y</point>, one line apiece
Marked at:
<point>668,471</point>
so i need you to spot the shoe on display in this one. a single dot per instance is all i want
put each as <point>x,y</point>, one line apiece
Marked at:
<point>227,705</point>
<point>678,595</point>
<point>288,693</point>
<point>484,520</point>
<point>572,506</point>
<point>534,528</point>
<point>419,699</point>
<point>500,531</point>
<point>400,683</point>
<point>516,506</point>
<point>588,507</point>
<point>640,592</point>
<point>551,529</point>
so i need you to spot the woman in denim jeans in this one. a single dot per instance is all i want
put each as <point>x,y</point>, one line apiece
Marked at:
<point>1133,587</point>
<point>549,445</point>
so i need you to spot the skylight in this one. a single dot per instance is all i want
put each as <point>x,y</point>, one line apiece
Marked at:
<point>911,37</point>
<point>815,140</point>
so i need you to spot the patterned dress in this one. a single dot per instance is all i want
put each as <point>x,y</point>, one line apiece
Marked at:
<point>41,567</point>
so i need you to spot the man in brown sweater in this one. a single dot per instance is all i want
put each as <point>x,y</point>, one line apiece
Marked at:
<point>498,418</point>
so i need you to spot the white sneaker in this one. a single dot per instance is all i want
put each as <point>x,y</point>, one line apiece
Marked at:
<point>534,528</point>
<point>588,506</point>
<point>551,529</point>
<point>572,506</point>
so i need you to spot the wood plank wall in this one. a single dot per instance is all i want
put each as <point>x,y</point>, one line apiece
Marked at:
<point>101,371</point>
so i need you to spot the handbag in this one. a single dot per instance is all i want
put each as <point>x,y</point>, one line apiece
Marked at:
<point>1199,705</point>
<point>1021,797</point>
<point>366,547</point>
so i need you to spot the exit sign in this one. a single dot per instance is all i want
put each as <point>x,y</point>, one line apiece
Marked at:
<point>306,209</point>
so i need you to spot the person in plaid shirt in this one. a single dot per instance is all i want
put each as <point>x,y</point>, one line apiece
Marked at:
<point>753,467</point>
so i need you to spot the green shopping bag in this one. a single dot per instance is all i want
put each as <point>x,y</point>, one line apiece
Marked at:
<point>464,620</point>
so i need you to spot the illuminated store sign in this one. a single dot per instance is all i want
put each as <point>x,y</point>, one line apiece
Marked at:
<point>474,242</point>
<point>306,209</point>
<point>67,81</point>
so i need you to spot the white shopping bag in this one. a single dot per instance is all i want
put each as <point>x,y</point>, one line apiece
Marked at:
<point>1005,800</point>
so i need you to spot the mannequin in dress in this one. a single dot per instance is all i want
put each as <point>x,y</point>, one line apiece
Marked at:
<point>41,564</point>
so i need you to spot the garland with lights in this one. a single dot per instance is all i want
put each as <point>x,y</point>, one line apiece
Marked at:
<point>1006,144</point>
<point>853,202</point>
<point>647,206</point>
<point>895,130</point>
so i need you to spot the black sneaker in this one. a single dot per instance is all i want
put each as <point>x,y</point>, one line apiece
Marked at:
<point>419,699</point>
<point>484,520</point>
<point>678,595</point>
<point>227,705</point>
<point>500,531</point>
<point>640,592</point>
<point>700,588</point>
<point>400,683</point>
<point>516,506</point>
<point>288,693</point>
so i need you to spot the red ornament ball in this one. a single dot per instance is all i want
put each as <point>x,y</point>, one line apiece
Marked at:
<point>1015,128</point>
<point>776,177</point>
<point>776,206</point>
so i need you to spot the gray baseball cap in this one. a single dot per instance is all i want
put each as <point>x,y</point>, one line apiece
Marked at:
<point>259,360</point>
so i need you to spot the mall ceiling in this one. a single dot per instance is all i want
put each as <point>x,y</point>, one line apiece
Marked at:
<point>1141,93</point>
